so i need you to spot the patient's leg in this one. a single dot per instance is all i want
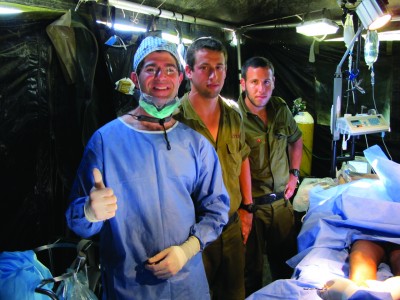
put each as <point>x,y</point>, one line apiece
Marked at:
<point>365,256</point>
<point>395,262</point>
<point>395,281</point>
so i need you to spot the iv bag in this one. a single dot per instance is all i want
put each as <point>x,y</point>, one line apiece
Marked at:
<point>348,30</point>
<point>371,47</point>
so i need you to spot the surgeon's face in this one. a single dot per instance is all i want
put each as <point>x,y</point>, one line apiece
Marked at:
<point>259,85</point>
<point>208,75</point>
<point>159,76</point>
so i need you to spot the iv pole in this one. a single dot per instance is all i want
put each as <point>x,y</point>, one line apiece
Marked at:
<point>337,101</point>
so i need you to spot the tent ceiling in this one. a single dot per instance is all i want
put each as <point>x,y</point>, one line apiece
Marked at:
<point>249,12</point>
<point>235,14</point>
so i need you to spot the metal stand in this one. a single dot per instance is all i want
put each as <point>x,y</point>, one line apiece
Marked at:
<point>337,101</point>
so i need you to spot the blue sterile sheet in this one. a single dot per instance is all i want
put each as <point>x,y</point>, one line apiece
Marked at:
<point>362,209</point>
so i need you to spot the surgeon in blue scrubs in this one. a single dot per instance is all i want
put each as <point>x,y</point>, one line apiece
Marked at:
<point>152,189</point>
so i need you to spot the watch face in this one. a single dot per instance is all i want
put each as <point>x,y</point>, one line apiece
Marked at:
<point>295,172</point>
<point>251,208</point>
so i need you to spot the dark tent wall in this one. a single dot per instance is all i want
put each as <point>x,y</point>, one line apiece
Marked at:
<point>27,150</point>
<point>42,128</point>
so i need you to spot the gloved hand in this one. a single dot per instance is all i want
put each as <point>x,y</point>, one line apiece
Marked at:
<point>338,289</point>
<point>102,203</point>
<point>171,260</point>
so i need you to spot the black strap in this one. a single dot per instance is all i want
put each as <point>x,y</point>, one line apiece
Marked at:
<point>162,121</point>
<point>55,245</point>
<point>82,247</point>
<point>155,120</point>
<point>150,119</point>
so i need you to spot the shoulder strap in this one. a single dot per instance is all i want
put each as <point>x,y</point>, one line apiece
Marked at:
<point>232,104</point>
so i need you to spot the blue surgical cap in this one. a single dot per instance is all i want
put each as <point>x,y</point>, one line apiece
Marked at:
<point>151,44</point>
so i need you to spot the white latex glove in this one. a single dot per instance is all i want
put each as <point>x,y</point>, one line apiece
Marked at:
<point>170,261</point>
<point>338,289</point>
<point>102,203</point>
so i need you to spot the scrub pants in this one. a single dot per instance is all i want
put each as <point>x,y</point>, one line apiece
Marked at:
<point>224,264</point>
<point>273,233</point>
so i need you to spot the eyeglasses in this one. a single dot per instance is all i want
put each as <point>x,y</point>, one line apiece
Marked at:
<point>155,71</point>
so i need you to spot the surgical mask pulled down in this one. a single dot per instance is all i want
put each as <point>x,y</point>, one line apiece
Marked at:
<point>147,102</point>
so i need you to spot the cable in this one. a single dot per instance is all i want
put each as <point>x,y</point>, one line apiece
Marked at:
<point>366,140</point>
<point>384,144</point>
<point>373,87</point>
<point>307,150</point>
<point>344,142</point>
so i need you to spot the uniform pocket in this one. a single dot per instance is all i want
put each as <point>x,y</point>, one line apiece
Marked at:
<point>234,158</point>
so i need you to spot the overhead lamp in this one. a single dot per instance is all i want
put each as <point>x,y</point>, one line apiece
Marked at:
<point>175,39</point>
<point>321,26</point>
<point>373,14</point>
<point>9,11</point>
<point>122,27</point>
<point>384,36</point>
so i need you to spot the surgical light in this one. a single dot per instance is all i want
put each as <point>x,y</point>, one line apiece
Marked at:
<point>321,26</point>
<point>372,14</point>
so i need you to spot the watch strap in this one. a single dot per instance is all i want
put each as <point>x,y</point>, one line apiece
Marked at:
<point>251,208</point>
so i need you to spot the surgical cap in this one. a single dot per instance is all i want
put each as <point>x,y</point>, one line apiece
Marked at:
<point>151,44</point>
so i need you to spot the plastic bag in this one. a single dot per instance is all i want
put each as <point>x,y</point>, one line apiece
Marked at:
<point>75,287</point>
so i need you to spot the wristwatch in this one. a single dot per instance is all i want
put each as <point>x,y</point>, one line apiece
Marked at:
<point>251,208</point>
<point>295,172</point>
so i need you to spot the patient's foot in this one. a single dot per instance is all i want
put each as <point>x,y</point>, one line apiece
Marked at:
<point>343,288</point>
<point>338,289</point>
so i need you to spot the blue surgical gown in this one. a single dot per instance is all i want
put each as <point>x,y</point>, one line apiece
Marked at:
<point>164,196</point>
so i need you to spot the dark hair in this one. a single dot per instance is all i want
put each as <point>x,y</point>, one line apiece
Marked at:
<point>204,43</point>
<point>256,62</point>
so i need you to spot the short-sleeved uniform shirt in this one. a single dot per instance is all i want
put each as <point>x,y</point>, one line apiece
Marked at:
<point>268,146</point>
<point>230,145</point>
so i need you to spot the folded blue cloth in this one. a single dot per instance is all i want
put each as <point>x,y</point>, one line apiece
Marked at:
<point>20,274</point>
<point>387,170</point>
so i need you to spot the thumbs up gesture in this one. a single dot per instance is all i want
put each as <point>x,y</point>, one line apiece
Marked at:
<point>102,203</point>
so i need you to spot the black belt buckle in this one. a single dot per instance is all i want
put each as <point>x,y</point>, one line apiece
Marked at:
<point>269,199</point>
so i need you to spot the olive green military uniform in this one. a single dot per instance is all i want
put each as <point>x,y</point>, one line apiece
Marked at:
<point>224,258</point>
<point>273,228</point>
